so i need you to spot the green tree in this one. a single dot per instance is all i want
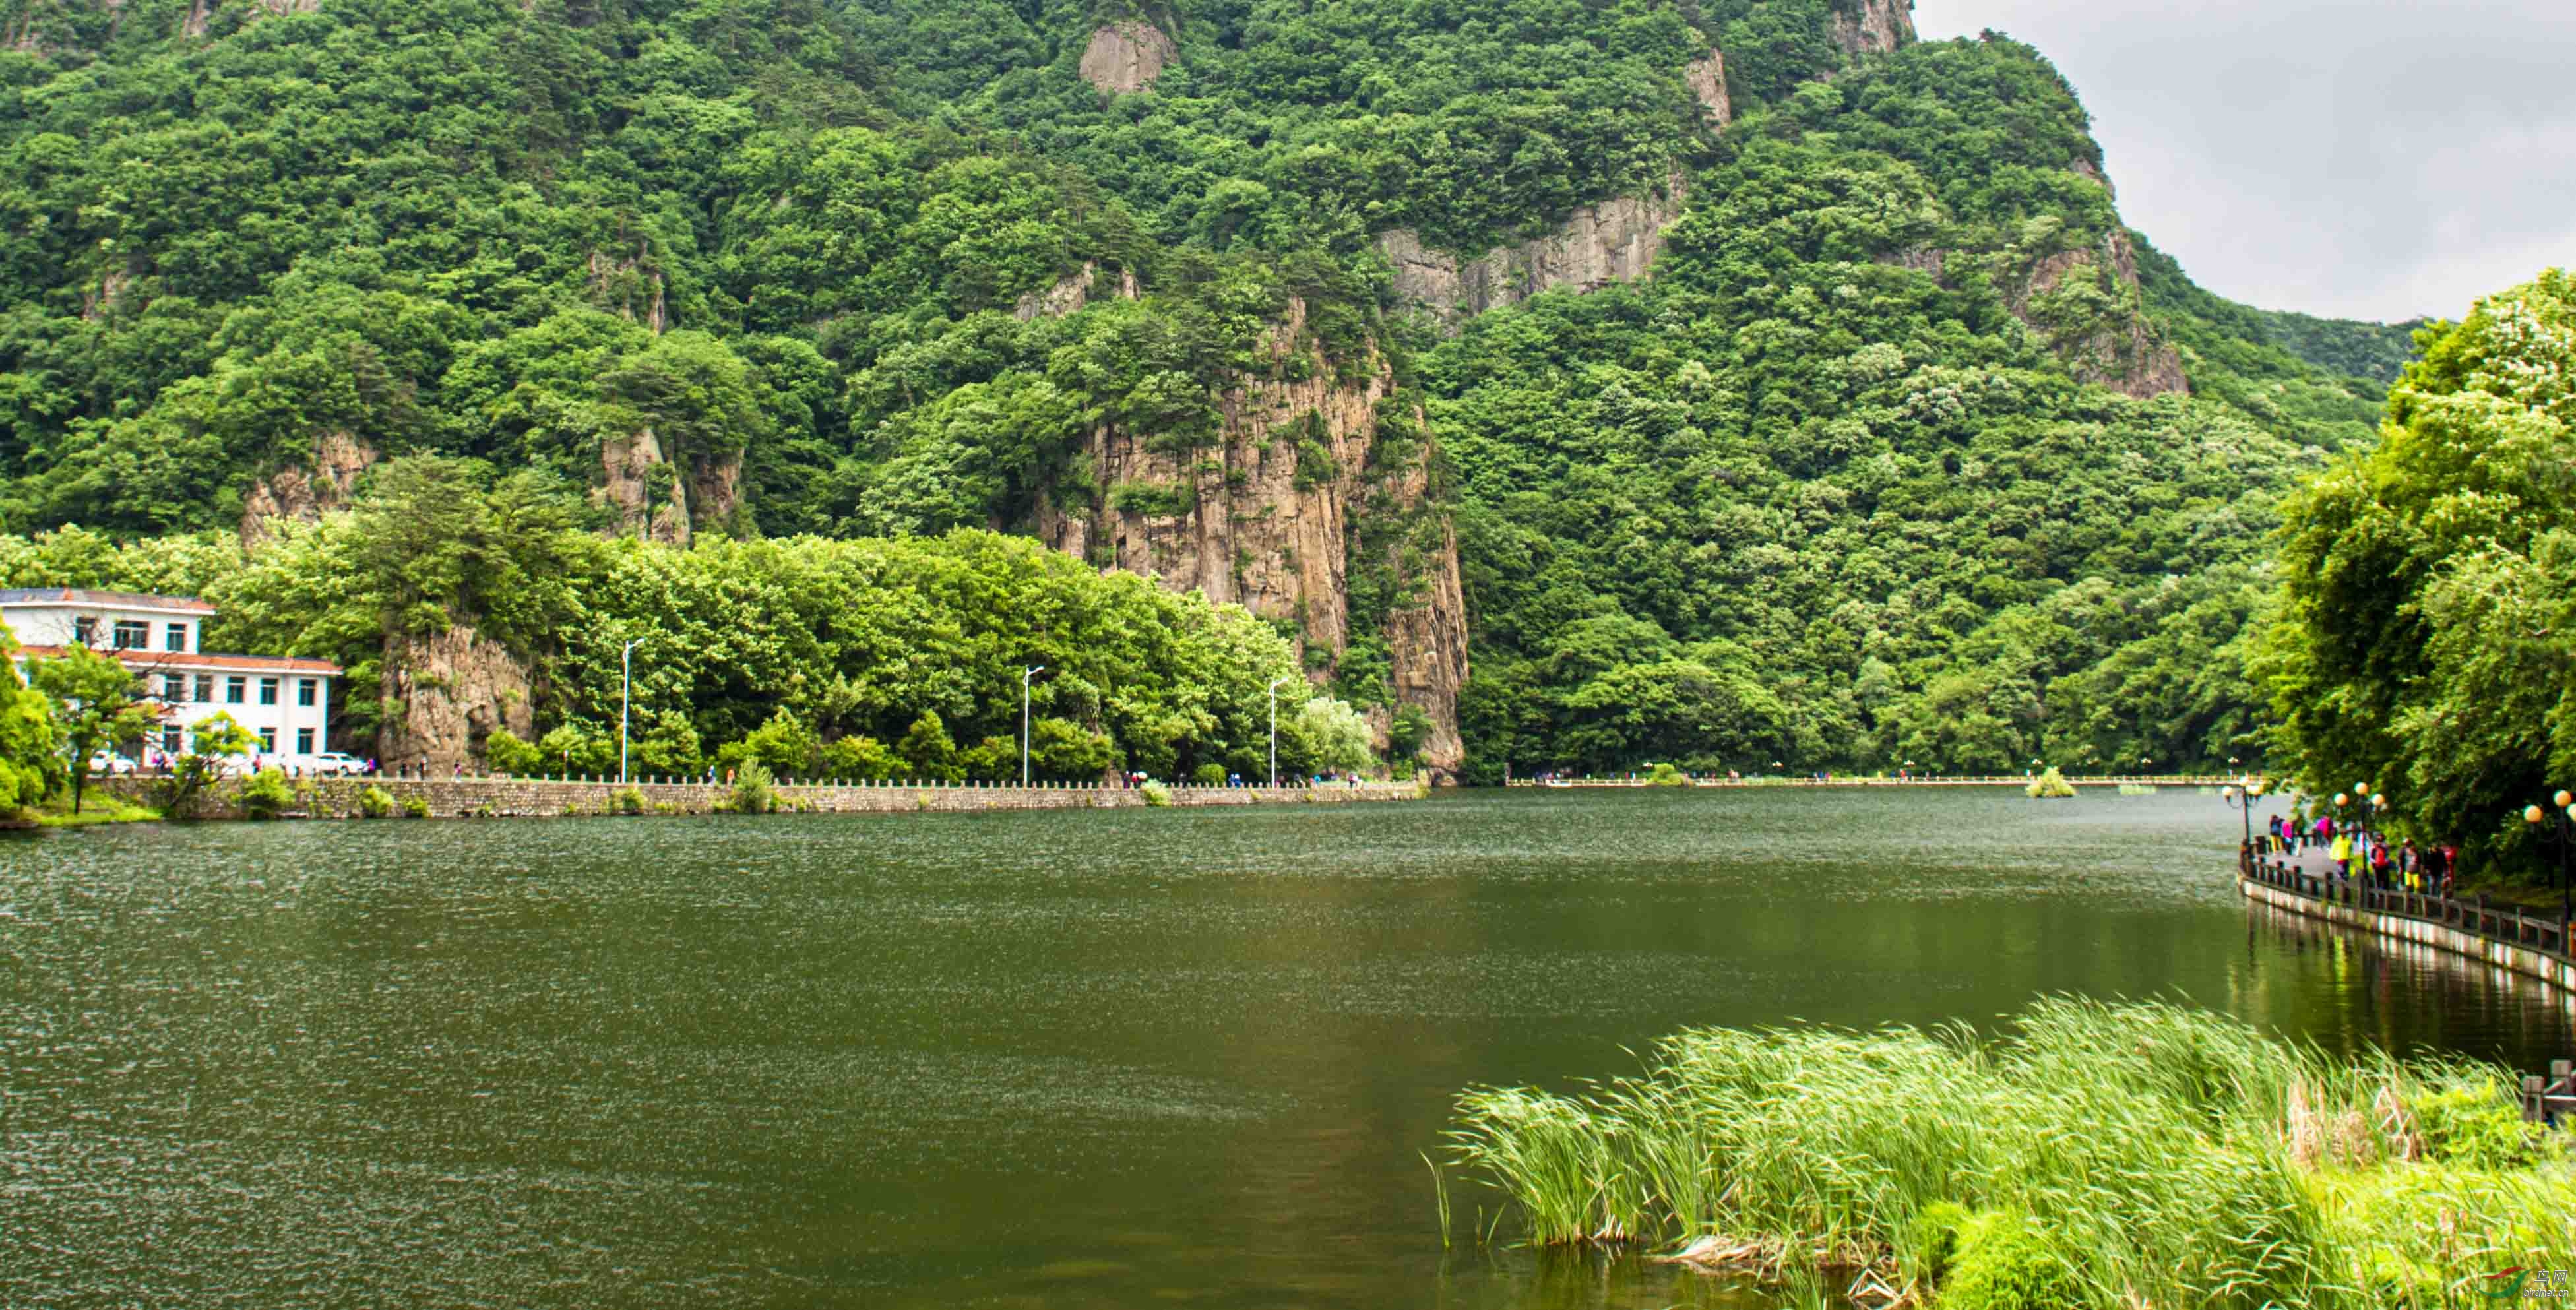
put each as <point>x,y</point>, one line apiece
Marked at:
<point>2424,642</point>
<point>31,762</point>
<point>96,703</point>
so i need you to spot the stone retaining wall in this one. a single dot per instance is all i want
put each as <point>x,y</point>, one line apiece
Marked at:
<point>336,798</point>
<point>2502,955</point>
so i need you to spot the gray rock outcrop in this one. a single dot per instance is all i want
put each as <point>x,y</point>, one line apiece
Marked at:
<point>1873,27</point>
<point>1613,241</point>
<point>1127,56</point>
<point>1315,475</point>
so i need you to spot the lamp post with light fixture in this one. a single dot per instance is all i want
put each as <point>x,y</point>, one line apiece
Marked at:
<point>2560,816</point>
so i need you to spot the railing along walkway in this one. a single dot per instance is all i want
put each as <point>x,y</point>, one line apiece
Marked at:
<point>2498,923</point>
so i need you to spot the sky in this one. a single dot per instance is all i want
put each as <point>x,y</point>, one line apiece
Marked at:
<point>2343,158</point>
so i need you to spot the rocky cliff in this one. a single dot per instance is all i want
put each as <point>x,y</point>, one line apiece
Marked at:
<point>1864,27</point>
<point>304,492</point>
<point>445,693</point>
<point>1613,241</point>
<point>1316,490</point>
<point>1706,78</point>
<point>2082,296</point>
<point>2089,305</point>
<point>1127,56</point>
<point>667,500</point>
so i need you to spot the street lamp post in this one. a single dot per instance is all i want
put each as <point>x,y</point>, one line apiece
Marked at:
<point>1026,674</point>
<point>625,699</point>
<point>1274,732</point>
<point>2242,797</point>
<point>2561,816</point>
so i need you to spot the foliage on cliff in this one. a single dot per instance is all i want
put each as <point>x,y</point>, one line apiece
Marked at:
<point>2428,600</point>
<point>854,657</point>
<point>1828,486</point>
<point>1795,499</point>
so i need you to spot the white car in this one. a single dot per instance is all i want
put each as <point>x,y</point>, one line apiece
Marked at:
<point>333,763</point>
<point>105,765</point>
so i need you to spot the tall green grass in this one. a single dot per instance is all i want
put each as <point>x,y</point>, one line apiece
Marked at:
<point>2121,1155</point>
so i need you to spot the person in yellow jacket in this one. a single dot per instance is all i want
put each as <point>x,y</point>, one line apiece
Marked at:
<point>2341,854</point>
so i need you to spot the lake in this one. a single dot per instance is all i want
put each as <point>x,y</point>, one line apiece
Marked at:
<point>1063,1059</point>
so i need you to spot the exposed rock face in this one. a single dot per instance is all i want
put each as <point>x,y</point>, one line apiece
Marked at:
<point>650,499</point>
<point>1873,26</point>
<point>665,500</point>
<point>1707,80</point>
<point>1127,56</point>
<point>1071,293</point>
<point>448,692</point>
<point>2116,347</point>
<point>630,286</point>
<point>303,494</point>
<point>1304,487</point>
<point>1613,241</point>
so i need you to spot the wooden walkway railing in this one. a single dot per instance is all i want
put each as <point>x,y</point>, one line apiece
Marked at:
<point>2501,923</point>
<point>2547,1100</point>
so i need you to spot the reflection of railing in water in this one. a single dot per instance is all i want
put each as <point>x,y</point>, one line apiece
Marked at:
<point>1994,780</point>
<point>2495,935</point>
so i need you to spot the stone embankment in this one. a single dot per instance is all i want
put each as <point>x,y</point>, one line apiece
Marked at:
<point>460,798</point>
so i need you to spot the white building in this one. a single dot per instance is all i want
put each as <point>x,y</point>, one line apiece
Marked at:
<point>285,703</point>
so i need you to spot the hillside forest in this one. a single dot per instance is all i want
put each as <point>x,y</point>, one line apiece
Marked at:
<point>1556,386</point>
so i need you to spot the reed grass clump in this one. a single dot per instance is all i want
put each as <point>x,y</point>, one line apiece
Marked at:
<point>2050,786</point>
<point>2094,1155</point>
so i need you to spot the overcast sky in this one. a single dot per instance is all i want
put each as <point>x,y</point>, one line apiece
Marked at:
<point>2361,160</point>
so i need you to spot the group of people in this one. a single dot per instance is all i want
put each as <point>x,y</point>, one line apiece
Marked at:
<point>2360,852</point>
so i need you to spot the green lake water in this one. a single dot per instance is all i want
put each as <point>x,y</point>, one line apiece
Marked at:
<point>1091,1059</point>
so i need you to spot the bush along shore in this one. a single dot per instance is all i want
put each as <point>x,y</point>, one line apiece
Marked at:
<point>753,791</point>
<point>2094,1156</point>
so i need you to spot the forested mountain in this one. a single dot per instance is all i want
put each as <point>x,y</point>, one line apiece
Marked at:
<point>1724,380</point>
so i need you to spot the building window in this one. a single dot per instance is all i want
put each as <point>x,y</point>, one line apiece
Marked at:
<point>303,741</point>
<point>236,690</point>
<point>268,741</point>
<point>169,741</point>
<point>85,631</point>
<point>205,689</point>
<point>175,637</point>
<point>268,691</point>
<point>305,691</point>
<point>173,686</point>
<point>133,634</point>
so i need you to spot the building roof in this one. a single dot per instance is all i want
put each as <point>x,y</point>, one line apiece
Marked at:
<point>174,661</point>
<point>103,599</point>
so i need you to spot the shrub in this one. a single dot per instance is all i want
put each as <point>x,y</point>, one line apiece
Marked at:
<point>2051,786</point>
<point>1156,793</point>
<point>416,807</point>
<point>630,800</point>
<point>753,792</point>
<point>2472,1124</point>
<point>267,795</point>
<point>1208,775</point>
<point>375,802</point>
<point>2006,1261</point>
<point>1665,775</point>
<point>505,753</point>
<point>1934,1238</point>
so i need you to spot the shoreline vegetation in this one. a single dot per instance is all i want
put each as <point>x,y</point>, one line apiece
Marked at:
<point>271,796</point>
<point>2094,1155</point>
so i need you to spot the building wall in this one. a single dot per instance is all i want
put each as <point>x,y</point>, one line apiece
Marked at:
<point>282,719</point>
<point>57,623</point>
